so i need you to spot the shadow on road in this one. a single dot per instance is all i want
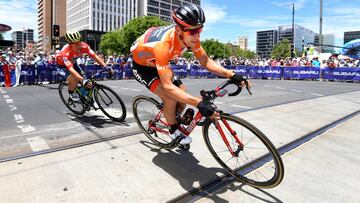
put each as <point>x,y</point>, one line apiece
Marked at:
<point>186,169</point>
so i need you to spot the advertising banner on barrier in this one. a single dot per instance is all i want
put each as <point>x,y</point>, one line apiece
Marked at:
<point>267,72</point>
<point>180,70</point>
<point>302,73</point>
<point>351,74</point>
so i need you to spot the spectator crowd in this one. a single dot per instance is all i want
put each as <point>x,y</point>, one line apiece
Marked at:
<point>18,57</point>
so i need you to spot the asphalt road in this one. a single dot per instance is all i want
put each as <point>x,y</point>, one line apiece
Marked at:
<point>33,118</point>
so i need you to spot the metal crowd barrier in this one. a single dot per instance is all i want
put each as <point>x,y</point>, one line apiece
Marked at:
<point>31,74</point>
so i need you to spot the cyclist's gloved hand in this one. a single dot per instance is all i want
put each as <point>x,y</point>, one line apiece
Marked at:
<point>86,83</point>
<point>206,108</point>
<point>238,79</point>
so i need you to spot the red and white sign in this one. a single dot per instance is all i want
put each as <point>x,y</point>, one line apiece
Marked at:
<point>4,28</point>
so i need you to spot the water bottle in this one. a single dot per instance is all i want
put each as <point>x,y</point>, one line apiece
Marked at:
<point>188,116</point>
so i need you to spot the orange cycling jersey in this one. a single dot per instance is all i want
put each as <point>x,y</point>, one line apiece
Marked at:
<point>67,56</point>
<point>160,45</point>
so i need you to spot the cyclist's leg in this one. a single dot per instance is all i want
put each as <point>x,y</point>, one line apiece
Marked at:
<point>149,77</point>
<point>73,81</point>
<point>179,106</point>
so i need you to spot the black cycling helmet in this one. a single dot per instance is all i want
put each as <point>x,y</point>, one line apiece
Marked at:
<point>188,15</point>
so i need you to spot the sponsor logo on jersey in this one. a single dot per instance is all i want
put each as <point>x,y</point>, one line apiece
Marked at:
<point>163,67</point>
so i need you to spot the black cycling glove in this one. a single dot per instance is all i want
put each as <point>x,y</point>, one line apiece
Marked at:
<point>206,108</point>
<point>238,79</point>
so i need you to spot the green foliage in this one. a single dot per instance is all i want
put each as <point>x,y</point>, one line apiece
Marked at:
<point>1,36</point>
<point>246,54</point>
<point>215,48</point>
<point>281,49</point>
<point>188,54</point>
<point>120,40</point>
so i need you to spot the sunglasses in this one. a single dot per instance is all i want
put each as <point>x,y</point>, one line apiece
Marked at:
<point>193,31</point>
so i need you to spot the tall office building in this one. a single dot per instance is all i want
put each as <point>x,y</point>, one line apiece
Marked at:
<point>107,15</point>
<point>243,42</point>
<point>303,35</point>
<point>100,15</point>
<point>265,42</point>
<point>161,8</point>
<point>351,35</point>
<point>95,17</point>
<point>22,38</point>
<point>328,39</point>
<point>50,12</point>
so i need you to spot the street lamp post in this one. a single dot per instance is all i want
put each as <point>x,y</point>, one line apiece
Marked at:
<point>320,31</point>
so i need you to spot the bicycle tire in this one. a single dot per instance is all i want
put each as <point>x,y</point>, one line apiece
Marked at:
<point>160,139</point>
<point>252,173</point>
<point>103,99</point>
<point>71,105</point>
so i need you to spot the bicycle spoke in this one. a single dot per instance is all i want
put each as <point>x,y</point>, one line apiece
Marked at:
<point>146,111</point>
<point>246,165</point>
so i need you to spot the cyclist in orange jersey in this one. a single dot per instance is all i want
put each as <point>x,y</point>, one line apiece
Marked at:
<point>67,57</point>
<point>158,46</point>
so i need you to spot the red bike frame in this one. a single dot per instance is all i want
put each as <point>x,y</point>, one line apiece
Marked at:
<point>192,126</point>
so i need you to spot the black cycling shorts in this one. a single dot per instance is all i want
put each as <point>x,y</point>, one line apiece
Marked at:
<point>149,76</point>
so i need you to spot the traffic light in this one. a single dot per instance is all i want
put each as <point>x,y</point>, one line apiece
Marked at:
<point>56,31</point>
<point>292,51</point>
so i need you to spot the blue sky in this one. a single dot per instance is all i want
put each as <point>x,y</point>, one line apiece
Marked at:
<point>228,19</point>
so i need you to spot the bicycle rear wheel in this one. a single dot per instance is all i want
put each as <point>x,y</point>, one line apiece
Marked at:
<point>76,107</point>
<point>145,111</point>
<point>110,103</point>
<point>256,163</point>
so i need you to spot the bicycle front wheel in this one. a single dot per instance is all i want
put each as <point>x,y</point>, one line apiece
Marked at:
<point>110,103</point>
<point>76,107</point>
<point>148,116</point>
<point>255,161</point>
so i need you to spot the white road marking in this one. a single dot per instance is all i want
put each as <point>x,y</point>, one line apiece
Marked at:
<point>111,112</point>
<point>296,91</point>
<point>6,96</point>
<point>26,128</point>
<point>281,88</point>
<point>37,143</point>
<point>125,88</point>
<point>218,102</point>
<point>12,107</point>
<point>244,107</point>
<point>136,90</point>
<point>9,101</point>
<point>316,94</point>
<point>19,118</point>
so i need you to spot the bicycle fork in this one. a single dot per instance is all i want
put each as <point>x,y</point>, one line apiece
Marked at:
<point>240,146</point>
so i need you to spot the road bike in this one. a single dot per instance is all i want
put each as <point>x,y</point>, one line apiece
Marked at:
<point>106,99</point>
<point>238,146</point>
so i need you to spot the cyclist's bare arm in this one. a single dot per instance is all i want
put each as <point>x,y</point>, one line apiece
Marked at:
<point>215,68</point>
<point>99,61</point>
<point>173,91</point>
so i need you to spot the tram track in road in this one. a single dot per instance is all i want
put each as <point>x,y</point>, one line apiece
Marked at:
<point>226,180</point>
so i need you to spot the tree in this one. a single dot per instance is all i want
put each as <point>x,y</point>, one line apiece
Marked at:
<point>215,48</point>
<point>246,54</point>
<point>281,49</point>
<point>1,36</point>
<point>188,54</point>
<point>120,40</point>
